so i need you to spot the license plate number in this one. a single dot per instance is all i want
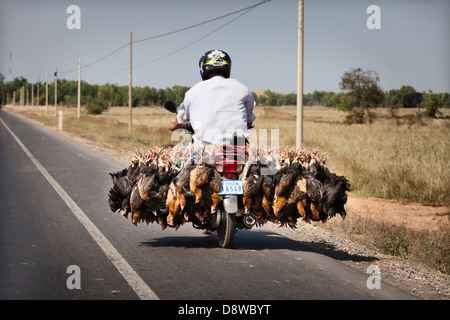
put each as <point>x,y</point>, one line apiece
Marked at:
<point>232,187</point>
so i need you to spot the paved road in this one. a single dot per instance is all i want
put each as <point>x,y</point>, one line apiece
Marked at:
<point>54,214</point>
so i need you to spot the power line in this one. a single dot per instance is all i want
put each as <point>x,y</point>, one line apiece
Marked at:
<point>193,42</point>
<point>183,47</point>
<point>100,59</point>
<point>202,23</point>
<point>247,9</point>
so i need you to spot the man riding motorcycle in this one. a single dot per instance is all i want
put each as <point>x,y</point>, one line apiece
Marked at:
<point>220,112</point>
<point>219,108</point>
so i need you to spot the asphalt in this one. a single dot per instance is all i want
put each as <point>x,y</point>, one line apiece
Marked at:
<point>41,237</point>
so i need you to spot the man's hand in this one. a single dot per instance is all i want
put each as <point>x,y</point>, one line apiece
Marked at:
<point>174,125</point>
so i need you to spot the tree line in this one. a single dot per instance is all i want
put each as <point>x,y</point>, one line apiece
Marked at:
<point>115,95</point>
<point>406,97</point>
<point>111,94</point>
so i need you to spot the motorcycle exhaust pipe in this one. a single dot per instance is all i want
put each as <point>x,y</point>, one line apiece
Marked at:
<point>249,220</point>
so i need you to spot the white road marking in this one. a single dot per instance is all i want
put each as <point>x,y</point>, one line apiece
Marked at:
<point>134,280</point>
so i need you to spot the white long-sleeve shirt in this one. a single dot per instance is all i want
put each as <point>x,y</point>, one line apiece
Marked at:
<point>218,109</point>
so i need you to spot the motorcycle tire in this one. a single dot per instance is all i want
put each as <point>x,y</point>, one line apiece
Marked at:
<point>226,230</point>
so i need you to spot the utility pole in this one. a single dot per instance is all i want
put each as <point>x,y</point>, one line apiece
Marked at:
<point>46,92</point>
<point>37,102</point>
<point>56,89</point>
<point>299,137</point>
<point>130,106</point>
<point>10,66</point>
<point>21,96</point>
<point>79,88</point>
<point>32,96</point>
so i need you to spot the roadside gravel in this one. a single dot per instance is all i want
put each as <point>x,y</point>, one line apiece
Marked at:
<point>410,276</point>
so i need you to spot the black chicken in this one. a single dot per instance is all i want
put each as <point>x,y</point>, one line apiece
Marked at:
<point>335,196</point>
<point>120,193</point>
<point>252,187</point>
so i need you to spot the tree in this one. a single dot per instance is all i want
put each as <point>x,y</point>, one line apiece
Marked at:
<point>144,96</point>
<point>178,93</point>
<point>433,101</point>
<point>363,93</point>
<point>96,106</point>
<point>332,99</point>
<point>407,97</point>
<point>161,97</point>
<point>318,97</point>
<point>106,93</point>
<point>290,99</point>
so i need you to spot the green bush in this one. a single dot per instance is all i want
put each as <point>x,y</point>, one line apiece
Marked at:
<point>433,102</point>
<point>96,106</point>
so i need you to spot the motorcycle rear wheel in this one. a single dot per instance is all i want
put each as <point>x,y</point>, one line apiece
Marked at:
<point>226,230</point>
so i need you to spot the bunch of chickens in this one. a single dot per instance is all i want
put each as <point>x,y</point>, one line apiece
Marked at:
<point>301,186</point>
<point>167,185</point>
<point>179,184</point>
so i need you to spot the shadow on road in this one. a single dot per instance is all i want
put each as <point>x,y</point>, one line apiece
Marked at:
<point>257,240</point>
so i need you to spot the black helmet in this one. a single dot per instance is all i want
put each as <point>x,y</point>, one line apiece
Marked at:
<point>215,61</point>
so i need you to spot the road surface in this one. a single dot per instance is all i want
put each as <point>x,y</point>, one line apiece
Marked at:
<point>57,233</point>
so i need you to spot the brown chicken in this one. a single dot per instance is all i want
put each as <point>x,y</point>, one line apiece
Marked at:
<point>136,204</point>
<point>314,189</point>
<point>199,177</point>
<point>268,189</point>
<point>215,185</point>
<point>148,184</point>
<point>173,205</point>
<point>298,198</point>
<point>176,200</point>
<point>285,181</point>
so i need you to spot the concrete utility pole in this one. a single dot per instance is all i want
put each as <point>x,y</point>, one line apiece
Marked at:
<point>130,106</point>
<point>32,96</point>
<point>37,102</point>
<point>56,89</point>
<point>79,89</point>
<point>46,92</point>
<point>299,137</point>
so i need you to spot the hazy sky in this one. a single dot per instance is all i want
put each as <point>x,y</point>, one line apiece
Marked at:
<point>411,48</point>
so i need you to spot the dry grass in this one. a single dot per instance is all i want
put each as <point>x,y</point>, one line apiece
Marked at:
<point>389,159</point>
<point>430,247</point>
<point>405,157</point>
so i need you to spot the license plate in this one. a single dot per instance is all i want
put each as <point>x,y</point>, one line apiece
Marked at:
<point>232,187</point>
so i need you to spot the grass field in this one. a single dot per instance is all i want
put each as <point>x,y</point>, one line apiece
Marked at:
<point>402,156</point>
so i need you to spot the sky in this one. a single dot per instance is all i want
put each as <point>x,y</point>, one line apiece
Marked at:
<point>412,46</point>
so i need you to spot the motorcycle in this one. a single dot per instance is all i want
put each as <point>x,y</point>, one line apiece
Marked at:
<point>229,216</point>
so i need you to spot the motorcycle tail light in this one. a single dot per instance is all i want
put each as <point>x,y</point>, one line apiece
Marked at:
<point>229,167</point>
